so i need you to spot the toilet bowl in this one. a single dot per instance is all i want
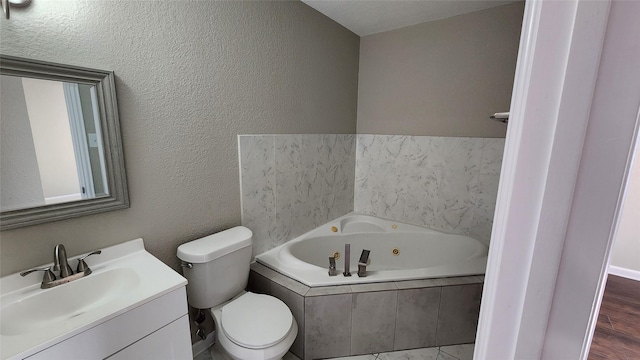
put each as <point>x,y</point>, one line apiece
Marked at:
<point>249,326</point>
<point>254,326</point>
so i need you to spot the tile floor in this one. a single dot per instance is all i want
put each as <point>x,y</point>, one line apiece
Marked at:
<point>454,352</point>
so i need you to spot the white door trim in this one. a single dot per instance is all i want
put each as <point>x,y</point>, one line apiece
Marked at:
<point>529,308</point>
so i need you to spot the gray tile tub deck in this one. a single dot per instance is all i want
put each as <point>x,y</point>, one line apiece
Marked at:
<point>347,320</point>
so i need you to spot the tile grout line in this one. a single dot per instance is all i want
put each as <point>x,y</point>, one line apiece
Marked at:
<point>351,316</point>
<point>438,316</point>
<point>395,322</point>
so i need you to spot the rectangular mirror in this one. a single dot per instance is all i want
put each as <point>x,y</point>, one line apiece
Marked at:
<point>60,147</point>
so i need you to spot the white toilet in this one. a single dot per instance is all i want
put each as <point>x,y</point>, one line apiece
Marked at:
<point>248,326</point>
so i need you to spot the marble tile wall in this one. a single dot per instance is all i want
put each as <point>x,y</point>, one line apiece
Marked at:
<point>291,184</point>
<point>445,183</point>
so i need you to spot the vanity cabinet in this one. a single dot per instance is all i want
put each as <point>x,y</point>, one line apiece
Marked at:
<point>158,329</point>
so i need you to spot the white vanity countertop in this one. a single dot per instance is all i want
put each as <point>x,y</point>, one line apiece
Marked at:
<point>124,276</point>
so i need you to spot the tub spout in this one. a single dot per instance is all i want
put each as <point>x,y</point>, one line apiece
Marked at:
<point>347,255</point>
<point>332,266</point>
<point>362,263</point>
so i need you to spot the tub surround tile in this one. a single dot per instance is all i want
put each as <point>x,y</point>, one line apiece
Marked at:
<point>437,182</point>
<point>491,160</point>
<point>379,317</point>
<point>413,284</point>
<point>384,286</point>
<point>417,318</point>
<point>289,283</point>
<point>264,270</point>
<point>327,326</point>
<point>258,188</point>
<point>294,183</point>
<point>482,224</point>
<point>458,314</point>
<point>416,354</point>
<point>258,283</point>
<point>373,322</point>
<point>295,302</point>
<point>460,280</point>
<point>329,290</point>
<point>460,352</point>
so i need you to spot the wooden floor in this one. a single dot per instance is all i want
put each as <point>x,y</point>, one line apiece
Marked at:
<point>617,334</point>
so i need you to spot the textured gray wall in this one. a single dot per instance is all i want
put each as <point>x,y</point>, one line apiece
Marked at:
<point>440,78</point>
<point>190,76</point>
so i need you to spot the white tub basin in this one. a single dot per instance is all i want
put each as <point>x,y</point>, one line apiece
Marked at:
<point>124,276</point>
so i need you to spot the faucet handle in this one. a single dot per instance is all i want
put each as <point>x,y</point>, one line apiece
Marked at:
<point>82,265</point>
<point>332,266</point>
<point>49,276</point>
<point>362,263</point>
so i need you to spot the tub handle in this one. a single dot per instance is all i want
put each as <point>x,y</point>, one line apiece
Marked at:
<point>332,266</point>
<point>362,264</point>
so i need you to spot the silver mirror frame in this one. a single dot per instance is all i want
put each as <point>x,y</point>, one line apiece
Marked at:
<point>104,82</point>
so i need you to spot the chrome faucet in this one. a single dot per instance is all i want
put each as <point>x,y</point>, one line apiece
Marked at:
<point>61,263</point>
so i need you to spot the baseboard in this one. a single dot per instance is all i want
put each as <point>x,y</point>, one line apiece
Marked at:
<point>625,273</point>
<point>202,345</point>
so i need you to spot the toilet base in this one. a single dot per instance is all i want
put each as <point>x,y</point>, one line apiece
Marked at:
<point>237,352</point>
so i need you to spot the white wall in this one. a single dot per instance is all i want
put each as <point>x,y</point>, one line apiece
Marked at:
<point>626,248</point>
<point>51,137</point>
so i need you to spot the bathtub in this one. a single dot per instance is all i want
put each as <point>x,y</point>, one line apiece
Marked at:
<point>398,252</point>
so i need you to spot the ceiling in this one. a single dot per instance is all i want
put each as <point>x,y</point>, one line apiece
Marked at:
<point>366,17</point>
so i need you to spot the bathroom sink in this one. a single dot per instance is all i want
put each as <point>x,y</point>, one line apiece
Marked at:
<point>42,309</point>
<point>123,277</point>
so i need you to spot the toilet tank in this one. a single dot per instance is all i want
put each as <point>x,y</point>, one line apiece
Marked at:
<point>220,268</point>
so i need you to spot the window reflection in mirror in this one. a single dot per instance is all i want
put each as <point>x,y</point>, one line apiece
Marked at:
<point>51,147</point>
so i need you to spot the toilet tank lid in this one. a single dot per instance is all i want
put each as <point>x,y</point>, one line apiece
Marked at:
<point>216,245</point>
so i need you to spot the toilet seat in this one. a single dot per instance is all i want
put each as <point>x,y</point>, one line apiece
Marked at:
<point>256,321</point>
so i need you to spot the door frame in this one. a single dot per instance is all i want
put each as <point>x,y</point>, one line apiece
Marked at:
<point>563,179</point>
